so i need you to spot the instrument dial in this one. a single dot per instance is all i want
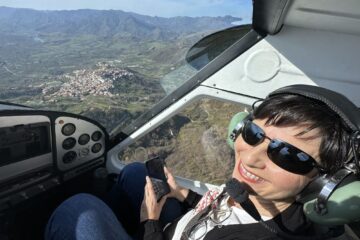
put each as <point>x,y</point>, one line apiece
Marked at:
<point>68,129</point>
<point>84,139</point>
<point>96,136</point>
<point>69,143</point>
<point>69,157</point>
<point>96,148</point>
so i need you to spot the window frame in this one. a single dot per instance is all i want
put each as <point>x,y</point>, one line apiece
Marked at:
<point>250,39</point>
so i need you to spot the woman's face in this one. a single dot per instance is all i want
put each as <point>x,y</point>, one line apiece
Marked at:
<point>264,177</point>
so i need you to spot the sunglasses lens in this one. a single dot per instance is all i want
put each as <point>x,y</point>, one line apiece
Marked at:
<point>252,134</point>
<point>289,157</point>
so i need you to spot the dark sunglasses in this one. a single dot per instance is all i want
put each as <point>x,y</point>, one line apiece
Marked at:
<point>283,154</point>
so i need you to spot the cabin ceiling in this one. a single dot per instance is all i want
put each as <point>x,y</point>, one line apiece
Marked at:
<point>307,42</point>
<point>329,15</point>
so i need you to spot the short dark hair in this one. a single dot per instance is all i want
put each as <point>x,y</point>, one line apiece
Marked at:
<point>295,110</point>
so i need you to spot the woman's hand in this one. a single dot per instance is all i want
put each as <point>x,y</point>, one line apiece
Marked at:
<point>176,191</point>
<point>150,208</point>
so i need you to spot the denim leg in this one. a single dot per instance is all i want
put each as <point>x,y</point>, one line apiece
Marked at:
<point>84,217</point>
<point>127,195</point>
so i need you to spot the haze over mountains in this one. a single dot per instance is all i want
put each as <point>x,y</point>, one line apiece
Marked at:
<point>36,45</point>
<point>42,52</point>
<point>106,23</point>
<point>112,66</point>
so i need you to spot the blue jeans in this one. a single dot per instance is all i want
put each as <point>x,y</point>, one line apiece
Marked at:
<point>84,216</point>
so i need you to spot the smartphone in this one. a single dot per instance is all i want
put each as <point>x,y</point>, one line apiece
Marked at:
<point>155,170</point>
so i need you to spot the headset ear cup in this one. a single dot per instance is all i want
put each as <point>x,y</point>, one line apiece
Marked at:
<point>343,206</point>
<point>237,118</point>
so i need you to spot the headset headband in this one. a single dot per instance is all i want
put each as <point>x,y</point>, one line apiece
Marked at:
<point>341,105</point>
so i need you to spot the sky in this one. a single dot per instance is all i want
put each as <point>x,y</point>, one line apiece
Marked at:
<point>161,8</point>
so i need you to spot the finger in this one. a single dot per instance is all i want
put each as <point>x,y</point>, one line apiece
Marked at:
<point>148,182</point>
<point>143,203</point>
<point>168,174</point>
<point>152,194</point>
<point>146,189</point>
<point>166,170</point>
<point>145,194</point>
<point>163,200</point>
<point>150,189</point>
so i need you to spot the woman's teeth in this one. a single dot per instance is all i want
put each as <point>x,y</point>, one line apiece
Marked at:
<point>249,175</point>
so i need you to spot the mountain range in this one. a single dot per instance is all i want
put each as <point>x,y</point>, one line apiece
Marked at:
<point>41,52</point>
<point>112,66</point>
<point>106,23</point>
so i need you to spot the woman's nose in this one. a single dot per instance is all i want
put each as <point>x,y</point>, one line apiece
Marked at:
<point>255,156</point>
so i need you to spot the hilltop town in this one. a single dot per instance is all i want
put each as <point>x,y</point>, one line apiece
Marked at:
<point>95,82</point>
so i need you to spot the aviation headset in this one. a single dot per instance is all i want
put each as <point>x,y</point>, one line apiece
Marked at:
<point>329,199</point>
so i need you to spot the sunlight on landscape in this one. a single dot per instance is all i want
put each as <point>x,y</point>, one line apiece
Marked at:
<point>109,65</point>
<point>193,143</point>
<point>113,65</point>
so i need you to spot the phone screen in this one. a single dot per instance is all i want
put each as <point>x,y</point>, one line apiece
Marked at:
<point>155,170</point>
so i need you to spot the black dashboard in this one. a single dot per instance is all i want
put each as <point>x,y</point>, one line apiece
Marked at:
<point>40,150</point>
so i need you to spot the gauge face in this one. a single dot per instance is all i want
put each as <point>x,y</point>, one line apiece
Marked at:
<point>96,136</point>
<point>96,148</point>
<point>69,157</point>
<point>69,143</point>
<point>84,139</point>
<point>68,129</point>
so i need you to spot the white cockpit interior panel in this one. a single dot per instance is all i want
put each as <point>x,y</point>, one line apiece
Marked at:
<point>295,56</point>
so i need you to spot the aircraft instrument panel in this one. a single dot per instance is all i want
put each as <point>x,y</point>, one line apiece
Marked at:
<point>41,149</point>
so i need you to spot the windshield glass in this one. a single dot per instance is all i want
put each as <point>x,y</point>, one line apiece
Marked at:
<point>107,60</point>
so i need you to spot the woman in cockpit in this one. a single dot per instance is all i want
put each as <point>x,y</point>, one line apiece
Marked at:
<point>280,147</point>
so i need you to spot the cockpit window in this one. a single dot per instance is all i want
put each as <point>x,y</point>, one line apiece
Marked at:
<point>107,60</point>
<point>192,143</point>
